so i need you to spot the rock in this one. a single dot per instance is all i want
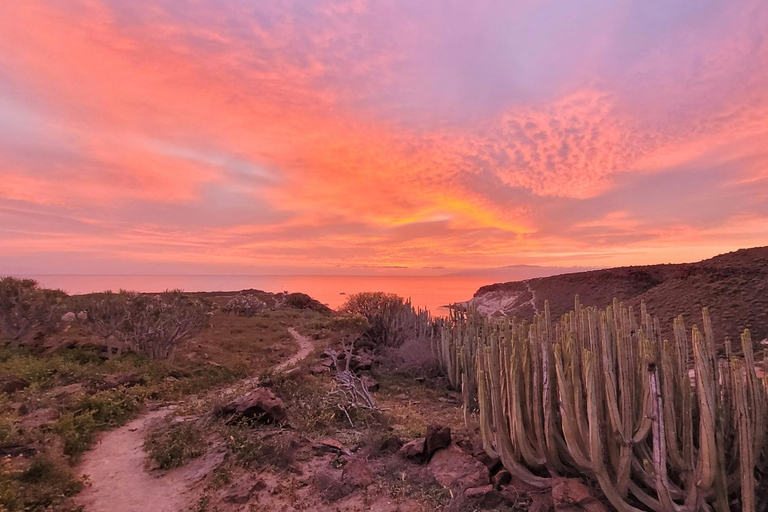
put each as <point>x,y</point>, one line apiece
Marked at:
<point>295,373</point>
<point>369,383</point>
<point>260,404</point>
<point>571,495</point>
<point>485,497</point>
<point>82,315</point>
<point>541,502</point>
<point>457,470</point>
<point>492,463</point>
<point>329,445</point>
<point>503,477</point>
<point>319,369</point>
<point>437,438</point>
<point>361,362</point>
<point>242,490</point>
<point>120,380</point>
<point>67,391</point>
<point>68,317</point>
<point>413,449</point>
<point>357,473</point>
<point>330,485</point>
<point>11,384</point>
<point>38,418</point>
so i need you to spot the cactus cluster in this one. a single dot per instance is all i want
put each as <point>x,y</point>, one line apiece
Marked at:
<point>659,425</point>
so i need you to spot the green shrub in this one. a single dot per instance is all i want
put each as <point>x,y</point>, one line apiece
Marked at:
<point>94,413</point>
<point>44,485</point>
<point>175,443</point>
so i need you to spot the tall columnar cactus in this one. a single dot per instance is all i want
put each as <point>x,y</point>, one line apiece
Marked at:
<point>660,425</point>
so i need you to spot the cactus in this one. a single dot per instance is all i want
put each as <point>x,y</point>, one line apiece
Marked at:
<point>659,425</point>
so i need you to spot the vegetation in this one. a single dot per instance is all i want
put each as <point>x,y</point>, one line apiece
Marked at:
<point>391,319</point>
<point>245,305</point>
<point>154,325</point>
<point>60,400</point>
<point>26,308</point>
<point>599,394</point>
<point>174,443</point>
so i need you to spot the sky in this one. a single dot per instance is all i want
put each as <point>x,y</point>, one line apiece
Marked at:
<point>353,136</point>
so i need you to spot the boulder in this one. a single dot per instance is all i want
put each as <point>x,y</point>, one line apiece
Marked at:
<point>413,449</point>
<point>457,470</point>
<point>571,495</point>
<point>69,316</point>
<point>11,384</point>
<point>260,404</point>
<point>437,438</point>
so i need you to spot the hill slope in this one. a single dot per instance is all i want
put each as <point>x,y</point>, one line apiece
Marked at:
<point>734,286</point>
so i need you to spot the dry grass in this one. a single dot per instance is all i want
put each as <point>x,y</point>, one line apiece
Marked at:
<point>64,392</point>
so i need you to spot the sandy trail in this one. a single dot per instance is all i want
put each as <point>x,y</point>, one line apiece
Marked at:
<point>119,481</point>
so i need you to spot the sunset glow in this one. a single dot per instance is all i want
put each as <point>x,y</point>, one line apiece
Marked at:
<point>321,136</point>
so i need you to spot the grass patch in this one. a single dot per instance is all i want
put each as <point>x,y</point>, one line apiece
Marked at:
<point>44,485</point>
<point>175,443</point>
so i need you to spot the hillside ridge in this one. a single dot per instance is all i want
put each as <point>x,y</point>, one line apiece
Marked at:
<point>734,286</point>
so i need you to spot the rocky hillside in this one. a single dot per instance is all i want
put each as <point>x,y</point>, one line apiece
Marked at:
<point>734,286</point>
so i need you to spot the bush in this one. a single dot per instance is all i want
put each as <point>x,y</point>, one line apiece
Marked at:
<point>25,308</point>
<point>172,445</point>
<point>44,485</point>
<point>93,414</point>
<point>245,305</point>
<point>151,325</point>
<point>391,319</point>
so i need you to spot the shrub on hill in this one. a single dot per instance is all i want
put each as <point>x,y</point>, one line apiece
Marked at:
<point>391,319</point>
<point>245,305</point>
<point>151,325</point>
<point>26,309</point>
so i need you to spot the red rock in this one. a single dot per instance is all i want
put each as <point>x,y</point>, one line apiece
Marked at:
<point>330,445</point>
<point>485,497</point>
<point>11,384</point>
<point>571,495</point>
<point>413,449</point>
<point>456,470</point>
<point>437,438</point>
<point>260,404</point>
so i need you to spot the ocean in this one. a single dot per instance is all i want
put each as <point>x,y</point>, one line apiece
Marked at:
<point>428,292</point>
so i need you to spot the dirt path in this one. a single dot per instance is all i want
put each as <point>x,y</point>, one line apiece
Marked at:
<point>119,481</point>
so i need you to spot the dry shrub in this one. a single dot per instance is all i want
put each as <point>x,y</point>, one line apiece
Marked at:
<point>25,309</point>
<point>154,325</point>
